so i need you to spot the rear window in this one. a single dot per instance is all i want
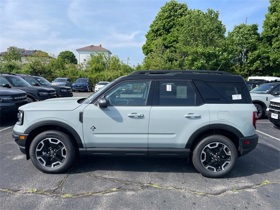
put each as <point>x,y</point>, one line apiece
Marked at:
<point>220,92</point>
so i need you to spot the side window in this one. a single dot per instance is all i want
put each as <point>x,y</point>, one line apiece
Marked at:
<point>129,93</point>
<point>276,91</point>
<point>220,92</point>
<point>176,93</point>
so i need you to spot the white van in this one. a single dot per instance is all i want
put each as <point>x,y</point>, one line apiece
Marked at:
<point>263,79</point>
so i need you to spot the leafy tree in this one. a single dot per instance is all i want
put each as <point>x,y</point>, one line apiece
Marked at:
<point>270,47</point>
<point>96,63</point>
<point>201,40</point>
<point>166,26</point>
<point>10,66</point>
<point>12,54</point>
<point>243,42</point>
<point>67,57</point>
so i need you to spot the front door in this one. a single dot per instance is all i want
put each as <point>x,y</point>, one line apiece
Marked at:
<point>124,122</point>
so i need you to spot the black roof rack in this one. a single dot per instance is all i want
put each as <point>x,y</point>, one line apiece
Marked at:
<point>172,72</point>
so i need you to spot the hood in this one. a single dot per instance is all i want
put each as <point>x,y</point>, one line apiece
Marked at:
<point>55,104</point>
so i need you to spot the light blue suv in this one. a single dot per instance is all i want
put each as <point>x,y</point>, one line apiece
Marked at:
<point>205,115</point>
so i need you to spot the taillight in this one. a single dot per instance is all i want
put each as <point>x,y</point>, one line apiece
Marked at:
<point>254,119</point>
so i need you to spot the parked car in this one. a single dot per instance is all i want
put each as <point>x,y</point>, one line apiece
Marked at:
<point>10,100</point>
<point>34,93</point>
<point>100,85</point>
<point>263,79</point>
<point>273,111</point>
<point>205,115</point>
<point>252,84</point>
<point>62,81</point>
<point>262,94</point>
<point>61,91</point>
<point>82,84</point>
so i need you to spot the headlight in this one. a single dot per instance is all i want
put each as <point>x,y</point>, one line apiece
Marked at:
<point>5,98</point>
<point>20,116</point>
<point>43,93</point>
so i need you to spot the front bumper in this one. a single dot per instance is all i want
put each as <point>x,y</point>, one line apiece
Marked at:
<point>273,116</point>
<point>20,139</point>
<point>247,144</point>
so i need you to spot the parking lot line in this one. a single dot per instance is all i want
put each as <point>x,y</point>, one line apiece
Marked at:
<point>6,128</point>
<point>268,135</point>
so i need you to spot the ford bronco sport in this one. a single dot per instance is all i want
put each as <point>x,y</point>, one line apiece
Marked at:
<point>205,115</point>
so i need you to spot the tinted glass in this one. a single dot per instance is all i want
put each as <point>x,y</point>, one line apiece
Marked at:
<point>175,93</point>
<point>220,92</point>
<point>129,93</point>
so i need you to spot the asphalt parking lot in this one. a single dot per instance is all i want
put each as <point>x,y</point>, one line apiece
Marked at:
<point>141,183</point>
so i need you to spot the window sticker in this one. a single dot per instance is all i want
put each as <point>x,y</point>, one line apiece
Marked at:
<point>168,87</point>
<point>181,92</point>
<point>237,97</point>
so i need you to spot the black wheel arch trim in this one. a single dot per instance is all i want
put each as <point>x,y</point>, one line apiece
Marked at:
<point>210,128</point>
<point>56,123</point>
<point>259,102</point>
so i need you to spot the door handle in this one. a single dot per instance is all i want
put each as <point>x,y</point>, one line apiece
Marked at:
<point>192,116</point>
<point>135,115</point>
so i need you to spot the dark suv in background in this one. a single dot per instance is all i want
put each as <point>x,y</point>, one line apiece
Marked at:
<point>61,91</point>
<point>10,100</point>
<point>33,93</point>
<point>82,84</point>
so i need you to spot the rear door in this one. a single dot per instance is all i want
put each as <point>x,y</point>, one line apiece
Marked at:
<point>176,113</point>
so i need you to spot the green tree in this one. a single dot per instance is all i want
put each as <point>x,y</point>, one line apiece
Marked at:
<point>269,50</point>
<point>243,42</point>
<point>201,40</point>
<point>67,57</point>
<point>166,26</point>
<point>12,54</point>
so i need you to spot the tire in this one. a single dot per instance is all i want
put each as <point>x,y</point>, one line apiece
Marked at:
<point>214,156</point>
<point>260,111</point>
<point>52,152</point>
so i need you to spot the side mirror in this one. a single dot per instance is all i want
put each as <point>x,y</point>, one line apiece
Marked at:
<point>6,86</point>
<point>102,103</point>
<point>276,93</point>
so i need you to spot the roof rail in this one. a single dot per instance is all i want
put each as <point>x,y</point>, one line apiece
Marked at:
<point>172,72</point>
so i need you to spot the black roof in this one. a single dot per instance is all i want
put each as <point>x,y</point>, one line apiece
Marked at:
<point>205,75</point>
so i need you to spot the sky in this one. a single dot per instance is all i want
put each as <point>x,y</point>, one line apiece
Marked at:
<point>118,25</point>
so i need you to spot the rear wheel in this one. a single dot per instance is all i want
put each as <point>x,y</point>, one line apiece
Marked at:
<point>52,152</point>
<point>260,111</point>
<point>214,156</point>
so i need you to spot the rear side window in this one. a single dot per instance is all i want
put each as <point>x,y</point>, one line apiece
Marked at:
<point>220,92</point>
<point>174,93</point>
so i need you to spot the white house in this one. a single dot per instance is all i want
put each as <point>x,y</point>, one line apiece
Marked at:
<point>85,52</point>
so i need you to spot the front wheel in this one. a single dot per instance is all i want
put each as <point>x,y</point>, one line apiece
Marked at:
<point>214,156</point>
<point>52,152</point>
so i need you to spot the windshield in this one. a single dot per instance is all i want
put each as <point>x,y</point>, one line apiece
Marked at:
<point>43,81</point>
<point>103,83</point>
<point>31,80</point>
<point>60,80</point>
<point>18,81</point>
<point>263,89</point>
<point>82,80</point>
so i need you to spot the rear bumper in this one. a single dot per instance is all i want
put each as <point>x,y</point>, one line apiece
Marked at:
<point>247,144</point>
